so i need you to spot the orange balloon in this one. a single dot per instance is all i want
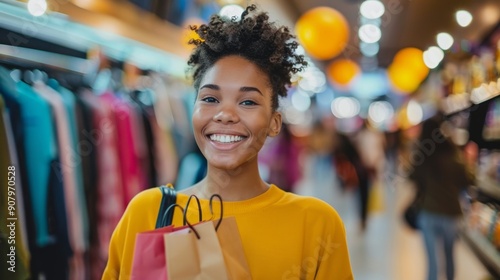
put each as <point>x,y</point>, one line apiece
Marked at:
<point>342,71</point>
<point>323,32</point>
<point>403,78</point>
<point>413,59</point>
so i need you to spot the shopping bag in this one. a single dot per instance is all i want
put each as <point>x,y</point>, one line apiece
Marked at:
<point>194,253</point>
<point>376,198</point>
<point>232,249</point>
<point>148,261</point>
<point>149,255</point>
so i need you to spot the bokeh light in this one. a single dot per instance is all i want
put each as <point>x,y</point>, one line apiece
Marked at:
<point>372,9</point>
<point>433,56</point>
<point>345,107</point>
<point>380,112</point>
<point>37,7</point>
<point>463,17</point>
<point>231,11</point>
<point>444,40</point>
<point>369,33</point>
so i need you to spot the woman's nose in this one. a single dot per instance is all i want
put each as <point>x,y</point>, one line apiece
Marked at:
<point>226,114</point>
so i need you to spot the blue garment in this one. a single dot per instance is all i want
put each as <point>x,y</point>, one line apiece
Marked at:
<point>439,232</point>
<point>9,93</point>
<point>43,194</point>
<point>191,170</point>
<point>41,151</point>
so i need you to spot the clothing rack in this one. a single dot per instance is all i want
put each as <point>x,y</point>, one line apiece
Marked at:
<point>46,59</point>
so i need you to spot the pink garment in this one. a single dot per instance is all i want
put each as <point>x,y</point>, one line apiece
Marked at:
<point>110,193</point>
<point>68,164</point>
<point>165,156</point>
<point>133,177</point>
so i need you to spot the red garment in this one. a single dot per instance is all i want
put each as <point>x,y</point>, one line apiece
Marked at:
<point>126,119</point>
<point>110,191</point>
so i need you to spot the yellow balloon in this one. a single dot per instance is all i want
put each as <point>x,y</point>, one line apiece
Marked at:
<point>413,59</point>
<point>323,32</point>
<point>403,78</point>
<point>342,71</point>
<point>188,34</point>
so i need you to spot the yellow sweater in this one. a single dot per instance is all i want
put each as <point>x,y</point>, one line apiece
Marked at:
<point>285,236</point>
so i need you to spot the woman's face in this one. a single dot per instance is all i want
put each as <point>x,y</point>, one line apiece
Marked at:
<point>232,115</point>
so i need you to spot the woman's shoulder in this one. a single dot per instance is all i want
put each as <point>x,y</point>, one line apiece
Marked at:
<point>312,205</point>
<point>146,198</point>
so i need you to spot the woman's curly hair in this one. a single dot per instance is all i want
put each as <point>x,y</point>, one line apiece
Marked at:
<point>253,37</point>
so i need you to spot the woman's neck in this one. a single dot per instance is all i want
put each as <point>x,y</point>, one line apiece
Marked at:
<point>232,185</point>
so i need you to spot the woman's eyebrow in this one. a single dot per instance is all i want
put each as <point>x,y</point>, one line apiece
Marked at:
<point>243,89</point>
<point>210,86</point>
<point>247,89</point>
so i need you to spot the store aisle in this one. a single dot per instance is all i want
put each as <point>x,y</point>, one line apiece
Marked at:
<point>388,249</point>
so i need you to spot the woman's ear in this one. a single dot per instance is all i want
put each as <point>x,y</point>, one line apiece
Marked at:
<point>275,125</point>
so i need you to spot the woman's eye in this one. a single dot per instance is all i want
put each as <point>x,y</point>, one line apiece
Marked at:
<point>248,103</point>
<point>209,100</point>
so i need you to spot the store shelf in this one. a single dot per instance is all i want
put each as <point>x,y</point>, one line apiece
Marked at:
<point>489,187</point>
<point>484,249</point>
<point>74,64</point>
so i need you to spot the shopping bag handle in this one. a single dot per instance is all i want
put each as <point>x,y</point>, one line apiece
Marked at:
<point>221,209</point>
<point>186,221</point>
<point>200,217</point>
<point>165,215</point>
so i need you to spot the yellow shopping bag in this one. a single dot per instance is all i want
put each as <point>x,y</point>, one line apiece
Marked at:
<point>376,201</point>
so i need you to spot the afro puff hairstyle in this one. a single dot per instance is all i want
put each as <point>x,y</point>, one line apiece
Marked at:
<point>254,38</point>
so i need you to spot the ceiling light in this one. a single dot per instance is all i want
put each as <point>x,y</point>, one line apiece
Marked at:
<point>433,56</point>
<point>369,33</point>
<point>372,9</point>
<point>444,40</point>
<point>463,17</point>
<point>231,11</point>
<point>37,7</point>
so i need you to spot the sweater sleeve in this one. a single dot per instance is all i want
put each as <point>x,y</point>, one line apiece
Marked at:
<point>140,215</point>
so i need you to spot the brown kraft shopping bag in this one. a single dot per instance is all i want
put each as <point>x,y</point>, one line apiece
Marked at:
<point>232,249</point>
<point>194,253</point>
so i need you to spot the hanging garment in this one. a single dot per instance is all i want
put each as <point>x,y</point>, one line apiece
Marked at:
<point>110,192</point>
<point>88,153</point>
<point>50,252</point>
<point>14,264</point>
<point>145,111</point>
<point>69,102</point>
<point>75,210</point>
<point>132,179</point>
<point>140,143</point>
<point>9,93</point>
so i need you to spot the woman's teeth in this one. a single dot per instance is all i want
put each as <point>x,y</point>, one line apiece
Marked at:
<point>225,138</point>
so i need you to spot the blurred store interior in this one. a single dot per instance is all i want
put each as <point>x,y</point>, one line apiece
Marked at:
<point>377,70</point>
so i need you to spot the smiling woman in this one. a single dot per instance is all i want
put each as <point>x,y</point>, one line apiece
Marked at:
<point>234,103</point>
<point>240,67</point>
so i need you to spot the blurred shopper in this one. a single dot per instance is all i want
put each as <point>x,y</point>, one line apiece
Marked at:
<point>439,176</point>
<point>352,173</point>
<point>283,161</point>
